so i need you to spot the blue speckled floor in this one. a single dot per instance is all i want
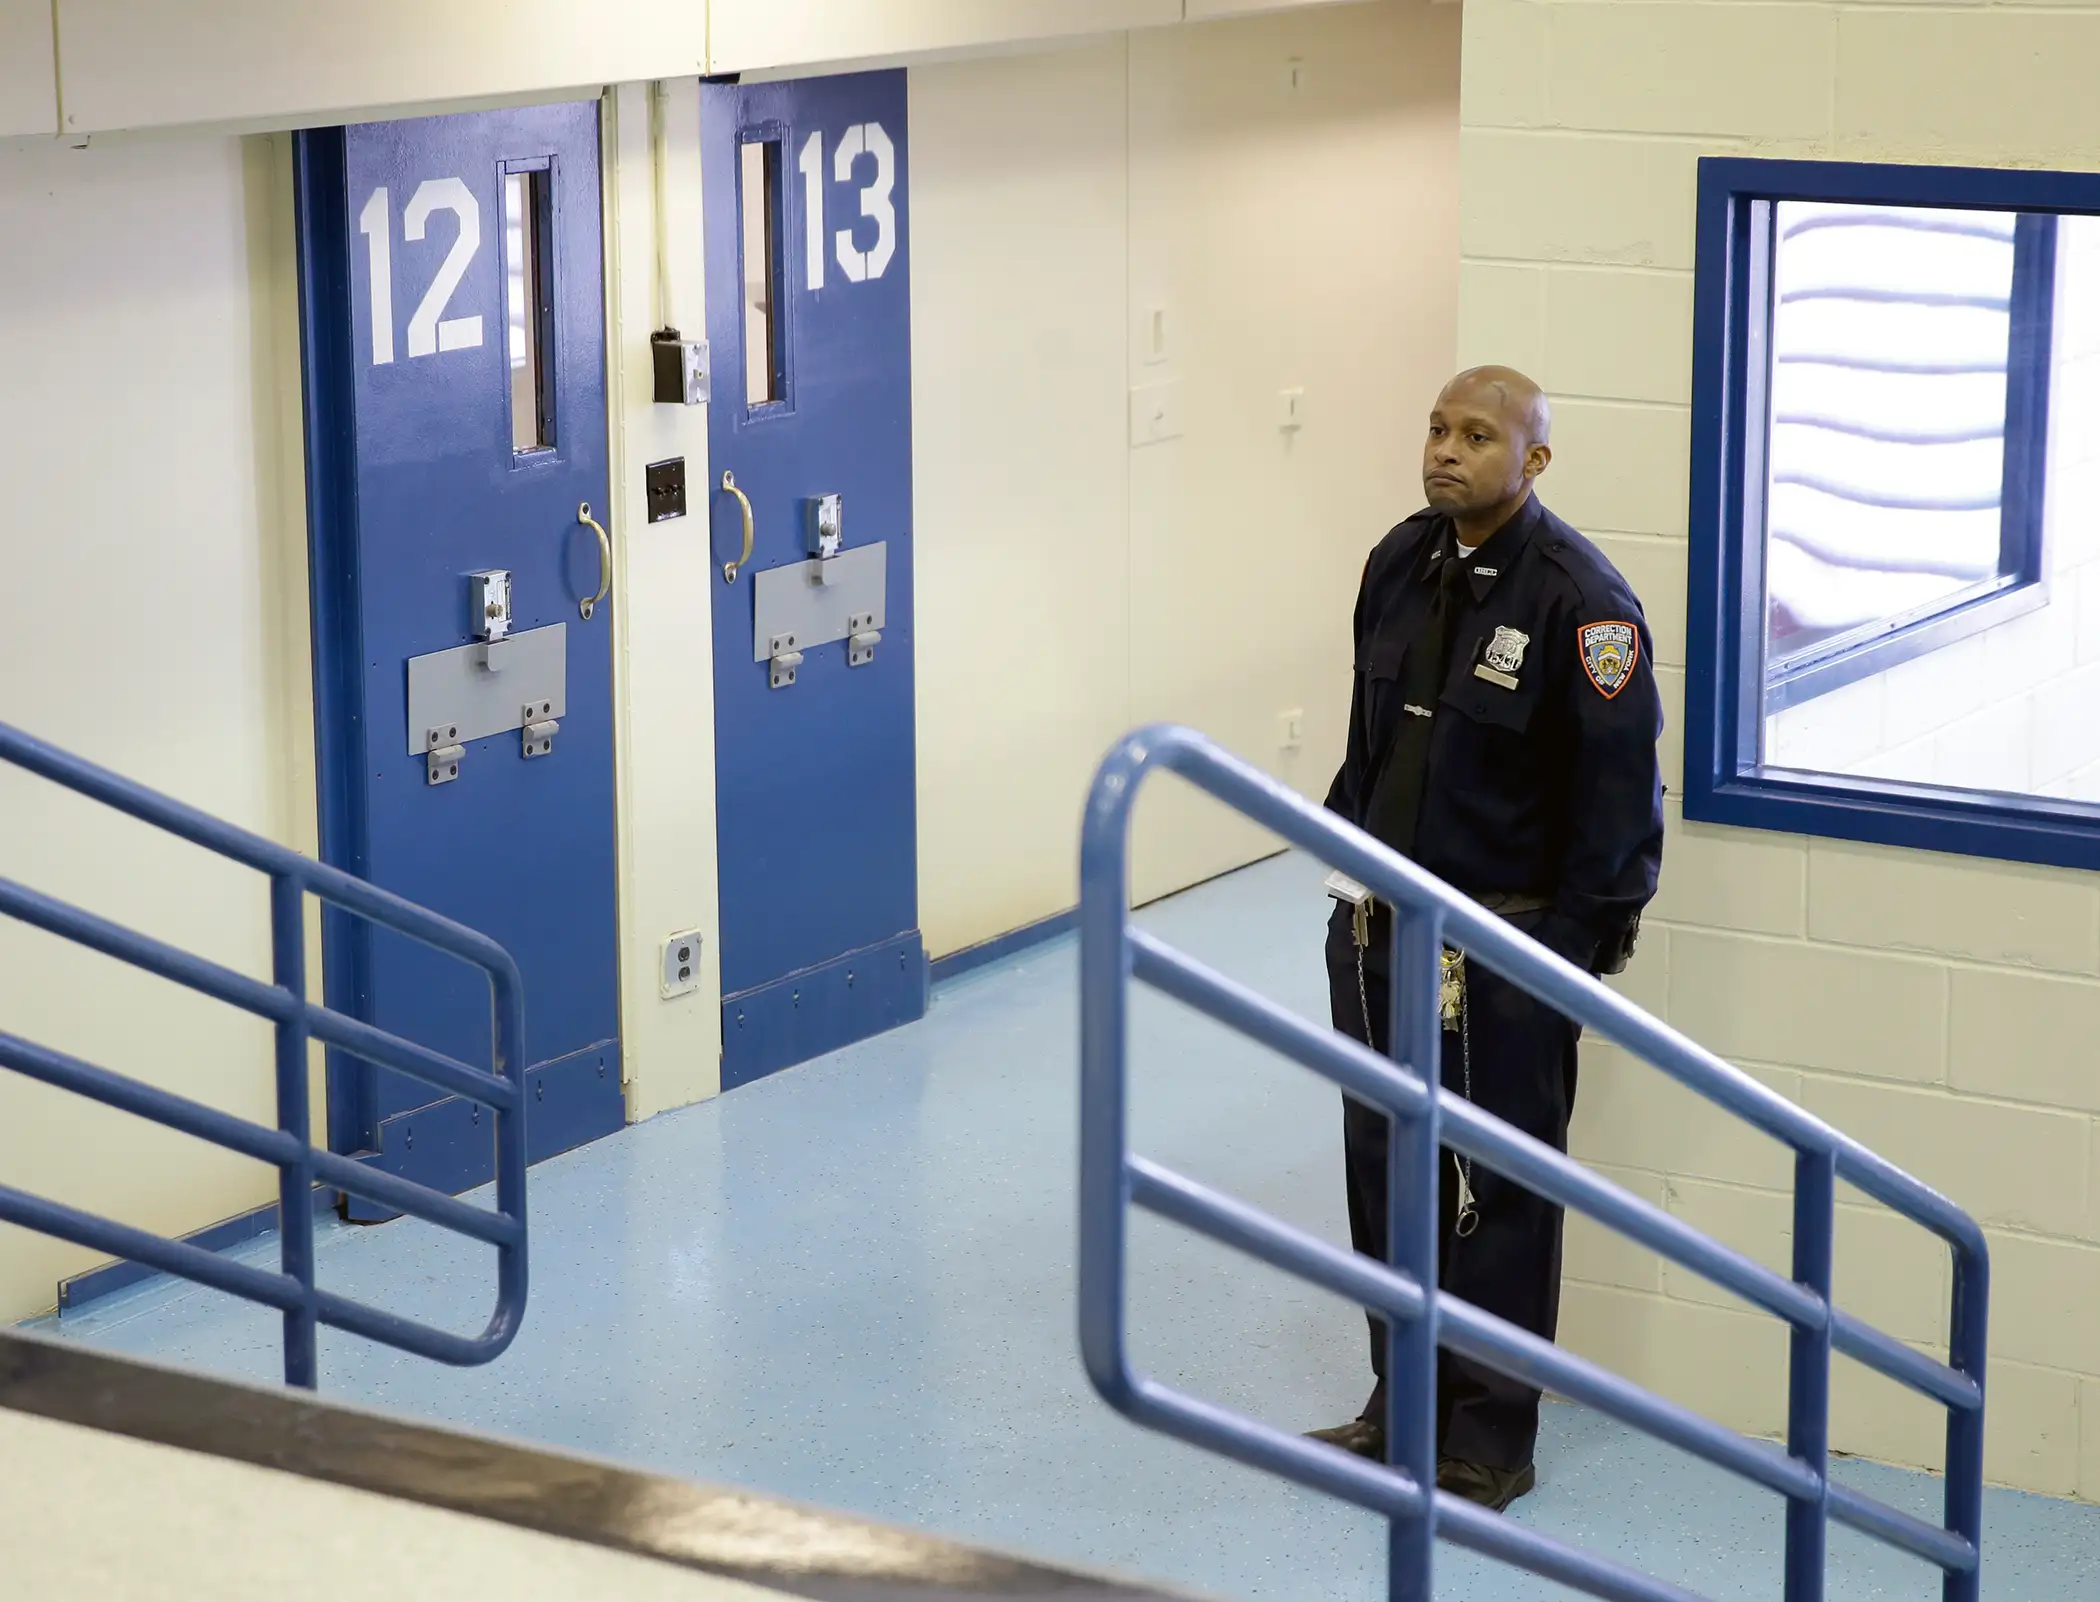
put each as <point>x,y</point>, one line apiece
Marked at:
<point>852,1283</point>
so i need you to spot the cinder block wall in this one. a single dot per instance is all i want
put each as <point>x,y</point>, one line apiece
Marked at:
<point>1946,1011</point>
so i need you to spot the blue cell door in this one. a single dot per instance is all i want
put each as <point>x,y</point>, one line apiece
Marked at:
<point>452,289</point>
<point>809,434</point>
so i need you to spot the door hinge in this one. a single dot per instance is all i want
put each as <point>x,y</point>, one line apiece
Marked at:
<point>444,754</point>
<point>861,639</point>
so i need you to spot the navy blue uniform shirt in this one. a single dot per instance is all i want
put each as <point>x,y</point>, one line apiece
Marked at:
<point>1542,777</point>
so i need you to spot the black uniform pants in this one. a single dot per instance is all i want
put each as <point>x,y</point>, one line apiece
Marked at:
<point>1523,1062</point>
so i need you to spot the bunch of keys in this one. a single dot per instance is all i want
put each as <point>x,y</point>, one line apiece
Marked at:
<point>1451,1009</point>
<point>1451,990</point>
<point>1358,900</point>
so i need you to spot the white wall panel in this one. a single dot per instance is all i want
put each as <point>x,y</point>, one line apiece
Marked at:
<point>1071,585</point>
<point>663,686</point>
<point>1202,10</point>
<point>1299,239</point>
<point>28,69</point>
<point>1020,473</point>
<point>127,65</point>
<point>139,442</point>
<point>746,35</point>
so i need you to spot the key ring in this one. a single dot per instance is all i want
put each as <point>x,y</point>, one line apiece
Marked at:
<point>1468,1219</point>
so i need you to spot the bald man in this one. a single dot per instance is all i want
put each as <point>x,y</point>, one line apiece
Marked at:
<point>1503,734</point>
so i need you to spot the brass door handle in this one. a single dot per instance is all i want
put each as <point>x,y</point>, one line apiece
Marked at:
<point>583,516</point>
<point>729,569</point>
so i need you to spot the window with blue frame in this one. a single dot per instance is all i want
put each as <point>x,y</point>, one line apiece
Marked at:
<point>1896,507</point>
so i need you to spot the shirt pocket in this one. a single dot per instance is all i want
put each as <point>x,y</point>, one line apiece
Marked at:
<point>1379,663</point>
<point>1489,763</point>
<point>1381,659</point>
<point>1491,708</point>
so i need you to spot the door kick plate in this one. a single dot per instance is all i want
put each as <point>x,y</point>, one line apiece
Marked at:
<point>816,602</point>
<point>479,692</point>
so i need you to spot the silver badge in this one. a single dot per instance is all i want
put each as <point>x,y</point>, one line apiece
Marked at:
<point>1505,652</point>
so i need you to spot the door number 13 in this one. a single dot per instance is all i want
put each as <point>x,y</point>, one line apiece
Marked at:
<point>862,139</point>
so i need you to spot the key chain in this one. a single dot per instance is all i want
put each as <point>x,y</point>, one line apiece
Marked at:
<point>1457,1011</point>
<point>1454,1013</point>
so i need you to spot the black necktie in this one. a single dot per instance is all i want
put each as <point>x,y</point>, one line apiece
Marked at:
<point>1396,800</point>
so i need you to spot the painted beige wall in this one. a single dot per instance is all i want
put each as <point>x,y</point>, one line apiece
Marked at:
<point>1072,585</point>
<point>748,34</point>
<point>28,69</point>
<point>158,611</point>
<point>257,64</point>
<point>1020,466</point>
<point>663,663</point>
<point>127,65</point>
<point>1941,1009</point>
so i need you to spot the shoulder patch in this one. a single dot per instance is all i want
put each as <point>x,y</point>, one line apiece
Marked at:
<point>1609,651</point>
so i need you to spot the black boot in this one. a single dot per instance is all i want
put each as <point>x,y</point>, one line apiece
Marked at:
<point>1365,1437</point>
<point>1493,1488</point>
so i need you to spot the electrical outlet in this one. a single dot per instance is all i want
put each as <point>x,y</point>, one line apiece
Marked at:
<point>1290,728</point>
<point>681,975</point>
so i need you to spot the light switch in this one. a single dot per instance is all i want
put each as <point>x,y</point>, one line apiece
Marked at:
<point>664,483</point>
<point>1155,335</point>
<point>1155,412</point>
<point>1290,409</point>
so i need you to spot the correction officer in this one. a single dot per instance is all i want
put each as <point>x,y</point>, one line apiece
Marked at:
<point>1502,733</point>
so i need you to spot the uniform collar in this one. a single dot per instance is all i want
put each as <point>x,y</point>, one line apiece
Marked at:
<point>1493,556</point>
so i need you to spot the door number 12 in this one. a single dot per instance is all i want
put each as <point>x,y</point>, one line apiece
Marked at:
<point>429,330</point>
<point>862,139</point>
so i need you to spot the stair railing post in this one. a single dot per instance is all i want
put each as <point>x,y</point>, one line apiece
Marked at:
<point>1415,1041</point>
<point>295,1180</point>
<point>1808,1375</point>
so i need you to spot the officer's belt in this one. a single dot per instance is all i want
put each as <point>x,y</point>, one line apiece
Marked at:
<point>1510,905</point>
<point>1503,903</point>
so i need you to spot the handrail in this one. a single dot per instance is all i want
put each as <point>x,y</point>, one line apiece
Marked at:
<point>1428,915</point>
<point>298,1021</point>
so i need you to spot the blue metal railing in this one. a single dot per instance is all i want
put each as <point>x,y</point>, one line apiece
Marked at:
<point>289,1146</point>
<point>1428,915</point>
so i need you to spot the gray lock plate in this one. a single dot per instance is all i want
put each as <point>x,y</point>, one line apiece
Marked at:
<point>788,600</point>
<point>452,689</point>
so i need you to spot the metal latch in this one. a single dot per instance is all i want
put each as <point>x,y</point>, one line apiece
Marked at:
<point>444,754</point>
<point>861,639</point>
<point>490,608</point>
<point>783,659</point>
<point>489,603</point>
<point>539,726</point>
<point>827,533</point>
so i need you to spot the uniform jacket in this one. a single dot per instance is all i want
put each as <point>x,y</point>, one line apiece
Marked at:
<point>1543,777</point>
